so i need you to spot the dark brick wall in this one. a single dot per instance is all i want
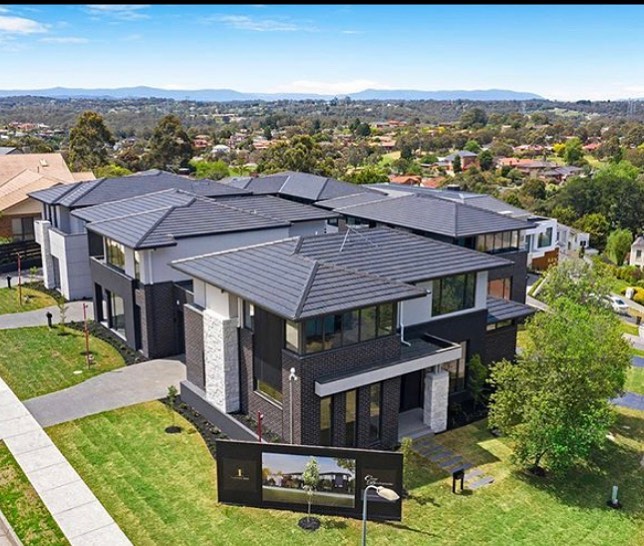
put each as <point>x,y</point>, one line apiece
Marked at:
<point>194,346</point>
<point>518,272</point>
<point>500,344</point>
<point>5,227</point>
<point>162,331</point>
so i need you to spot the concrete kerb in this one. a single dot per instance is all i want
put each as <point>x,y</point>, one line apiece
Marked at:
<point>7,532</point>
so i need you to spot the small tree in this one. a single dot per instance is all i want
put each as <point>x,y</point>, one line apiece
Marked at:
<point>311,478</point>
<point>172,398</point>
<point>33,271</point>
<point>456,164</point>
<point>618,245</point>
<point>407,450</point>
<point>62,311</point>
<point>477,379</point>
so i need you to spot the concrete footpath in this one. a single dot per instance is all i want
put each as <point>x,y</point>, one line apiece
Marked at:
<point>7,535</point>
<point>79,514</point>
<point>39,317</point>
<point>126,386</point>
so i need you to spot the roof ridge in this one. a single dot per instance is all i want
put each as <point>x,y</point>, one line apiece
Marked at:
<point>247,211</point>
<point>130,214</point>
<point>386,197</point>
<point>231,250</point>
<point>307,286</point>
<point>153,226</point>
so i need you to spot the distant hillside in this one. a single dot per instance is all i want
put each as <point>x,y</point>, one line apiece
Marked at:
<point>228,95</point>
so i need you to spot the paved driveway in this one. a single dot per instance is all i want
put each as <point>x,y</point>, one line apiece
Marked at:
<point>134,384</point>
<point>39,317</point>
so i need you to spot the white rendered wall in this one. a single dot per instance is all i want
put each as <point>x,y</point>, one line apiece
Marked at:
<point>436,400</point>
<point>72,252</point>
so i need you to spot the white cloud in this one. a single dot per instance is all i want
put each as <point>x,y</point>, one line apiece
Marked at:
<point>352,31</point>
<point>243,22</point>
<point>329,88</point>
<point>124,12</point>
<point>3,9</point>
<point>132,38</point>
<point>65,40</point>
<point>20,25</point>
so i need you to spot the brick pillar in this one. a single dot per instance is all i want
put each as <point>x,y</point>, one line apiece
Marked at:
<point>436,398</point>
<point>41,232</point>
<point>221,361</point>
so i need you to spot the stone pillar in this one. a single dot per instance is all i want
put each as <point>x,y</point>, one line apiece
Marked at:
<point>436,399</point>
<point>221,361</point>
<point>41,233</point>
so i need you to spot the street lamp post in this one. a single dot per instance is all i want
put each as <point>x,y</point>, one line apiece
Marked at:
<point>384,492</point>
<point>291,378</point>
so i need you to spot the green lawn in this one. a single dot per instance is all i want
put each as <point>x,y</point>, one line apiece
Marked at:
<point>36,361</point>
<point>161,489</point>
<point>629,328</point>
<point>635,380</point>
<point>22,506</point>
<point>31,300</point>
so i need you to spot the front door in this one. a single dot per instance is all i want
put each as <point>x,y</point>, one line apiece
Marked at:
<point>412,388</point>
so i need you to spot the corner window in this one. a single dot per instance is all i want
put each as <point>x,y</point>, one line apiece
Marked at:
<point>497,242</point>
<point>367,323</point>
<point>500,288</point>
<point>137,265</point>
<point>350,418</point>
<point>115,254</point>
<point>375,403</point>
<point>545,239</point>
<point>451,294</point>
<point>116,314</point>
<point>292,336</point>
<point>456,369</point>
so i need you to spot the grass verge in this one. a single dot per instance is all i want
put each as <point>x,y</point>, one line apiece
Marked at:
<point>31,300</point>
<point>37,361</point>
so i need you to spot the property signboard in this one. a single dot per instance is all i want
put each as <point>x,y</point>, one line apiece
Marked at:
<point>270,476</point>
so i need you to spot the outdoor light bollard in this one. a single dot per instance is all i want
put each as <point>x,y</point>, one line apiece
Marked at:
<point>613,502</point>
<point>49,317</point>
<point>8,281</point>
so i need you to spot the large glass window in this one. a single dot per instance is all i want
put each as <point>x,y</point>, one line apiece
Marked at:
<point>375,393</point>
<point>115,253</point>
<point>326,418</point>
<point>452,294</point>
<point>334,331</point>
<point>545,239</point>
<point>249,315</point>
<point>293,336</point>
<point>500,288</point>
<point>137,265</point>
<point>456,369</point>
<point>497,242</point>
<point>117,314</point>
<point>350,418</point>
<point>22,229</point>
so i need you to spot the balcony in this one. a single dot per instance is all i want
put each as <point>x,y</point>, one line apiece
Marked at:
<point>424,352</point>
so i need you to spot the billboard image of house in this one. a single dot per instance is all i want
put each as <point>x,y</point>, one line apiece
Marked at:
<point>282,480</point>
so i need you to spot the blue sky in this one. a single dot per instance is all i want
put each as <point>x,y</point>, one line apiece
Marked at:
<point>560,52</point>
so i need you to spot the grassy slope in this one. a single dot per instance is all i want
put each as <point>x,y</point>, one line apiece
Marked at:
<point>31,300</point>
<point>36,361</point>
<point>635,380</point>
<point>161,489</point>
<point>23,508</point>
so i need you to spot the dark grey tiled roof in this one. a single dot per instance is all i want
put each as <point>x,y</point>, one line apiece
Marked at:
<point>134,205</point>
<point>499,309</point>
<point>276,277</point>
<point>432,215</point>
<point>163,226</point>
<point>103,190</point>
<point>282,209</point>
<point>309,187</point>
<point>350,200</point>
<point>460,153</point>
<point>396,255</point>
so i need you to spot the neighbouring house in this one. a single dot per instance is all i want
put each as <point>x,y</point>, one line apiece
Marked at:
<point>560,174</point>
<point>468,159</point>
<point>531,167</point>
<point>571,240</point>
<point>21,174</point>
<point>378,325</point>
<point>132,242</point>
<point>63,238</point>
<point>6,150</point>
<point>637,252</point>
<point>406,179</point>
<point>416,210</point>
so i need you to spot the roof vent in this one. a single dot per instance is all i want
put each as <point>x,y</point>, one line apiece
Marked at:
<point>43,163</point>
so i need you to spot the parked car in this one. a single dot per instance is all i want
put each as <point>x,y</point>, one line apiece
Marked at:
<point>617,304</point>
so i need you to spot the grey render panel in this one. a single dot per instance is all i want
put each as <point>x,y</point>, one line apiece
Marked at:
<point>396,255</point>
<point>499,309</point>
<point>434,216</point>
<point>280,209</point>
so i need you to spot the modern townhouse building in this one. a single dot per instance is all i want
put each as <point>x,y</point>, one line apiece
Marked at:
<point>63,238</point>
<point>132,241</point>
<point>377,325</point>
<point>449,222</point>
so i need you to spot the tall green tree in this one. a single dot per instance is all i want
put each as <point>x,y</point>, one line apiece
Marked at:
<point>472,146</point>
<point>367,175</point>
<point>597,226</point>
<point>554,402</point>
<point>486,160</point>
<point>618,245</point>
<point>474,118</point>
<point>573,151</point>
<point>170,145</point>
<point>214,170</point>
<point>89,142</point>
<point>456,164</point>
<point>301,153</point>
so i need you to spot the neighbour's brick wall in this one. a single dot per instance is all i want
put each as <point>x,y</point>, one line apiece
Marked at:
<point>5,227</point>
<point>500,344</point>
<point>194,346</point>
<point>390,412</point>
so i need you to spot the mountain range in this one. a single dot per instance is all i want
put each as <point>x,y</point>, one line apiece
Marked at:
<point>228,95</point>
